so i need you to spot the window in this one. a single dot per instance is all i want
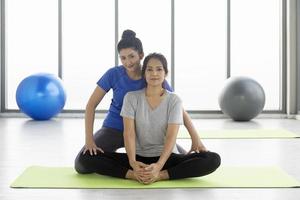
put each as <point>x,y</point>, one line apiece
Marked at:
<point>80,37</point>
<point>88,36</point>
<point>151,20</point>
<point>255,45</point>
<point>200,52</point>
<point>31,40</point>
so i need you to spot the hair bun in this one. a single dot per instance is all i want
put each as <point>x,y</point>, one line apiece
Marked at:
<point>128,34</point>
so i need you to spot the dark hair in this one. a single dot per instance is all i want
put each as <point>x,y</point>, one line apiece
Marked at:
<point>130,41</point>
<point>157,56</point>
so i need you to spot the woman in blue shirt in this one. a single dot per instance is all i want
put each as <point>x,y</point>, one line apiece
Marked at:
<point>121,79</point>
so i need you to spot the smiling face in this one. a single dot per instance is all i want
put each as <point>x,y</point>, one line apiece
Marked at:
<point>130,59</point>
<point>154,73</point>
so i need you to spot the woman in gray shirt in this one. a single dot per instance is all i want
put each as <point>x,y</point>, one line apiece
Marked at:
<point>152,117</point>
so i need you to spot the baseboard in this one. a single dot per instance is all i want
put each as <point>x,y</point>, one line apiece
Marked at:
<point>192,115</point>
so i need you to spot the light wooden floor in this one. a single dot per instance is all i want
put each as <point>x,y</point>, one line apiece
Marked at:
<point>24,142</point>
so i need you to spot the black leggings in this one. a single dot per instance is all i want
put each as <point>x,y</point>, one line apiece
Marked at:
<point>109,140</point>
<point>178,165</point>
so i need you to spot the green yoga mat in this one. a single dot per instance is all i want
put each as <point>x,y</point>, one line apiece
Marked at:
<point>231,177</point>
<point>240,134</point>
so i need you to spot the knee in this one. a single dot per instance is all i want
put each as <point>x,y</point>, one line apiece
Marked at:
<point>205,163</point>
<point>81,164</point>
<point>208,162</point>
<point>215,160</point>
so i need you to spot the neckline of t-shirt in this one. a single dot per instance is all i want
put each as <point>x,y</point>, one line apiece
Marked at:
<point>126,75</point>
<point>166,94</point>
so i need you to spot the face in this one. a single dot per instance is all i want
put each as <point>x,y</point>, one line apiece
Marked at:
<point>130,59</point>
<point>155,73</point>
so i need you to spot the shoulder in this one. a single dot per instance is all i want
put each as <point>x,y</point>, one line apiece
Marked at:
<point>174,100</point>
<point>116,70</point>
<point>134,94</point>
<point>111,76</point>
<point>173,96</point>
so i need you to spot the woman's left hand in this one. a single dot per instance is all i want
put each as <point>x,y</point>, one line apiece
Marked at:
<point>197,147</point>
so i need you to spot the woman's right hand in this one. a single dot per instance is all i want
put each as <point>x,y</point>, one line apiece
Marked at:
<point>91,147</point>
<point>138,166</point>
<point>138,170</point>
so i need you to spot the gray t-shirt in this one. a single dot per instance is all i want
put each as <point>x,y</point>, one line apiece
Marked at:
<point>151,124</point>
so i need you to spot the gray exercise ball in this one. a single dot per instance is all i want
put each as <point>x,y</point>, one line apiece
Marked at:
<point>242,98</point>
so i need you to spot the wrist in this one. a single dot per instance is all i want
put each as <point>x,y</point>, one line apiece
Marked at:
<point>194,136</point>
<point>89,139</point>
<point>160,164</point>
<point>195,139</point>
<point>132,162</point>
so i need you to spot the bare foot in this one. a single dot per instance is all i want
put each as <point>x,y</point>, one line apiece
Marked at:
<point>133,176</point>
<point>163,175</point>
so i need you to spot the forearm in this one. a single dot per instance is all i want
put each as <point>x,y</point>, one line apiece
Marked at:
<point>169,144</point>
<point>90,108</point>
<point>129,143</point>
<point>189,126</point>
<point>129,139</point>
<point>168,148</point>
<point>89,122</point>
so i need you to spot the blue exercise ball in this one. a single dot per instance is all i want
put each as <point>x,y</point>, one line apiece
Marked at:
<point>242,98</point>
<point>41,96</point>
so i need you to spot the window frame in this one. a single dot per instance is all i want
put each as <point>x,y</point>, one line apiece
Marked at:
<point>283,78</point>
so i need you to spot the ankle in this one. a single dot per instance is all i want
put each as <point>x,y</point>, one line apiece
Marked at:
<point>130,175</point>
<point>164,175</point>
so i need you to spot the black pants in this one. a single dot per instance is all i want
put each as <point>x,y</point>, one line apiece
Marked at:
<point>109,140</point>
<point>178,165</point>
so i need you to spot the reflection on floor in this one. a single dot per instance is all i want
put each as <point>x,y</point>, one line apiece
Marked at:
<point>24,142</point>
